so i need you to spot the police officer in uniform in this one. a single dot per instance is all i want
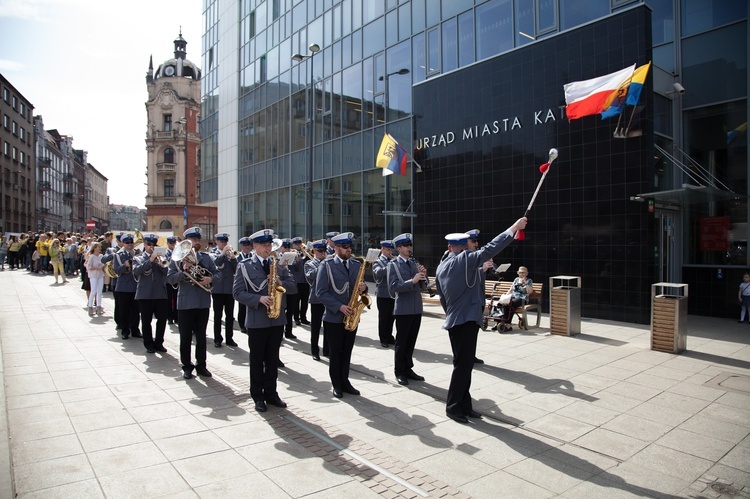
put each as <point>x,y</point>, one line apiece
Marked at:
<point>316,306</point>
<point>250,288</point>
<point>330,248</point>
<point>221,292</point>
<point>246,253</point>
<point>456,277</point>
<point>151,294</point>
<point>292,300</point>
<point>303,289</point>
<point>384,299</point>
<point>335,283</point>
<point>404,278</point>
<point>127,308</point>
<point>193,303</point>
<point>171,290</point>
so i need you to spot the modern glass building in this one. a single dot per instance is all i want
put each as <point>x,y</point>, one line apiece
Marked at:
<point>297,95</point>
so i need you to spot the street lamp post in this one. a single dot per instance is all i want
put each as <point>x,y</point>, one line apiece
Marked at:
<point>183,124</point>
<point>314,48</point>
<point>402,71</point>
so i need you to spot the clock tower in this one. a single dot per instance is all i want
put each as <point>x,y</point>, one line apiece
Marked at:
<point>173,146</point>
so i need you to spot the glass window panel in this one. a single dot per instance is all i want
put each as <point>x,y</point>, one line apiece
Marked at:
<point>577,12</point>
<point>453,7</point>
<point>433,51</point>
<point>400,200</point>
<point>337,22</point>
<point>299,210</point>
<point>525,23</point>
<point>346,52</point>
<point>351,208</point>
<point>315,33</point>
<point>662,20</point>
<point>352,153</point>
<point>272,210</point>
<point>725,157</point>
<point>399,86</point>
<point>701,15</point>
<point>714,66</point>
<point>373,230</point>
<point>419,68</point>
<point>356,14</point>
<point>379,73</point>
<point>368,93</point>
<point>357,46</point>
<point>391,28</point>
<point>346,14</point>
<point>466,39</point>
<point>260,136</point>
<point>404,22</point>
<point>546,15</point>
<point>299,167</point>
<point>432,9</point>
<point>372,10</point>
<point>450,45</point>
<point>336,162</point>
<point>352,95</point>
<point>337,106</point>
<point>330,190</point>
<point>664,57</point>
<point>373,37</point>
<point>494,28</point>
<point>417,16</point>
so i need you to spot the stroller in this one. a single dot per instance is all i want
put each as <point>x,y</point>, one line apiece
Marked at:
<point>496,311</point>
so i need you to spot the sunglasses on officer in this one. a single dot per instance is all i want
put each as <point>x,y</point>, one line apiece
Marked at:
<point>345,246</point>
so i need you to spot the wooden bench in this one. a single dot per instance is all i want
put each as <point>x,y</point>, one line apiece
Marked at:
<point>489,289</point>
<point>495,289</point>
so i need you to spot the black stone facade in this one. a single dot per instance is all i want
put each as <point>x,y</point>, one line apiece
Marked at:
<point>583,222</point>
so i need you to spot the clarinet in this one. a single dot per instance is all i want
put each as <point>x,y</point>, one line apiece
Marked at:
<point>422,284</point>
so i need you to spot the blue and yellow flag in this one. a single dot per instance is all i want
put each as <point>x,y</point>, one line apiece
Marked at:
<point>391,157</point>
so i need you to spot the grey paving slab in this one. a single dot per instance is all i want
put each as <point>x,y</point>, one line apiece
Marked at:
<point>588,416</point>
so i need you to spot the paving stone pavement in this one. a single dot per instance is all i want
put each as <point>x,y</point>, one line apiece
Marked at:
<point>91,415</point>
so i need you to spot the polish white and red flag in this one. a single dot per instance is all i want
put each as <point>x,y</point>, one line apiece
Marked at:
<point>588,97</point>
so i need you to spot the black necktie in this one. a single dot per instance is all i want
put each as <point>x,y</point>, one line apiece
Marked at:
<point>346,264</point>
<point>266,266</point>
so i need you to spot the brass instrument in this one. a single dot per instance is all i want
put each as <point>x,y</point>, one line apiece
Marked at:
<point>185,253</point>
<point>137,242</point>
<point>230,252</point>
<point>109,269</point>
<point>358,301</point>
<point>275,292</point>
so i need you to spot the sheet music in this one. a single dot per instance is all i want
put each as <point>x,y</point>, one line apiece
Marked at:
<point>372,255</point>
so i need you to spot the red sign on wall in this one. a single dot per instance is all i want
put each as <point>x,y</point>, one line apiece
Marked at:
<point>91,224</point>
<point>714,234</point>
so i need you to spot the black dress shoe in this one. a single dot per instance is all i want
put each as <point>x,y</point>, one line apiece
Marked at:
<point>316,356</point>
<point>124,336</point>
<point>281,364</point>
<point>202,371</point>
<point>260,406</point>
<point>277,402</point>
<point>414,376</point>
<point>402,380</point>
<point>384,344</point>
<point>243,330</point>
<point>351,390</point>
<point>338,393</point>
<point>478,361</point>
<point>160,349</point>
<point>474,414</point>
<point>217,344</point>
<point>170,322</point>
<point>187,374</point>
<point>137,334</point>
<point>458,418</point>
<point>232,343</point>
<point>298,323</point>
<point>150,350</point>
<point>305,322</point>
<point>290,336</point>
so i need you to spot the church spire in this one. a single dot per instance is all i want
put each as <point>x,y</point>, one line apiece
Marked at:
<point>180,46</point>
<point>150,72</point>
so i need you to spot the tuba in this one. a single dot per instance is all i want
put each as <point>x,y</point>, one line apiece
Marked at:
<point>275,292</point>
<point>185,253</point>
<point>358,301</point>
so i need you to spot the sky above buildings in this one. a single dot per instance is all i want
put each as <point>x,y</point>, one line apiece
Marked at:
<point>82,64</point>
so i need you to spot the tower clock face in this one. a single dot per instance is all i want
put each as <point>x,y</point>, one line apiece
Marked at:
<point>169,70</point>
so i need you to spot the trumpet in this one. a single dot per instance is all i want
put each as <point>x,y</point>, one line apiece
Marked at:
<point>229,252</point>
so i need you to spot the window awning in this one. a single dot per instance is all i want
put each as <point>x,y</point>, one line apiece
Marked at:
<point>689,194</point>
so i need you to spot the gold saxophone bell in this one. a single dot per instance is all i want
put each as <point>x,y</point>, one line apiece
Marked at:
<point>275,292</point>
<point>358,301</point>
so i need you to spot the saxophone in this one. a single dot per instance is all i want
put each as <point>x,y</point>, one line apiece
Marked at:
<point>275,291</point>
<point>358,301</point>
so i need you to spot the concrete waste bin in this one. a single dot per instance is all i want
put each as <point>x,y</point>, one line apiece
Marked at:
<point>669,317</point>
<point>565,305</point>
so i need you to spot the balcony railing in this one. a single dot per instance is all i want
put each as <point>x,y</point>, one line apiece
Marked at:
<point>163,200</point>
<point>164,135</point>
<point>45,162</point>
<point>165,167</point>
<point>44,186</point>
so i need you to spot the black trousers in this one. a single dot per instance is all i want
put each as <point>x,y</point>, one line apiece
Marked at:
<point>292,310</point>
<point>127,308</point>
<point>223,305</point>
<point>464,345</point>
<point>407,330</point>
<point>303,292</point>
<point>149,309</point>
<point>340,344</point>
<point>316,311</point>
<point>192,322</point>
<point>264,344</point>
<point>385,318</point>
<point>241,314</point>
<point>172,303</point>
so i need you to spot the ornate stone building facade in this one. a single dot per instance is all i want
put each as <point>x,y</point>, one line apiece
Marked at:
<point>173,146</point>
